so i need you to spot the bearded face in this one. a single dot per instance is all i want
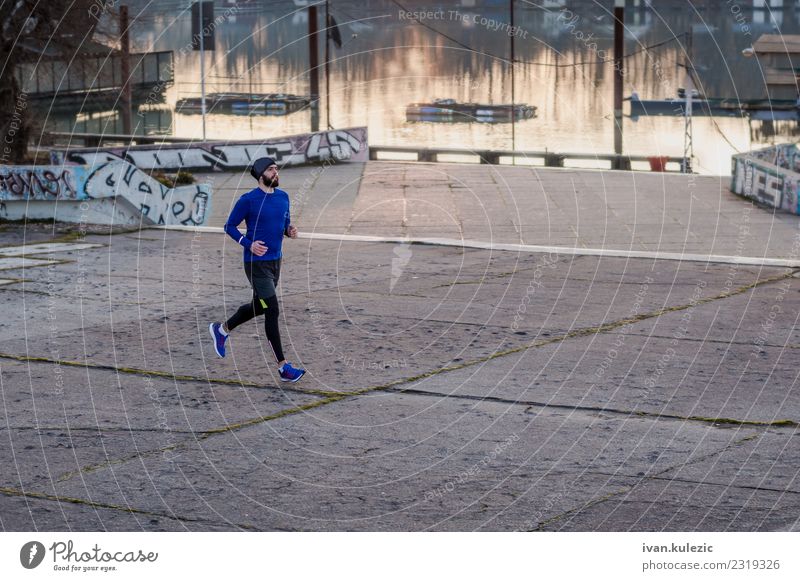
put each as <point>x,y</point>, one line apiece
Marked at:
<point>270,177</point>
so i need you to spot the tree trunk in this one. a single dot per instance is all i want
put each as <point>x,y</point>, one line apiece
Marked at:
<point>14,120</point>
<point>28,28</point>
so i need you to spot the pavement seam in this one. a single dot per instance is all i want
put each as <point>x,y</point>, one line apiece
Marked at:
<point>63,296</point>
<point>65,238</point>
<point>615,411</point>
<point>89,468</point>
<point>494,278</point>
<point>339,396</point>
<point>582,332</point>
<point>627,489</point>
<point>715,341</point>
<point>724,485</point>
<point>163,374</point>
<point>40,259</point>
<point>200,435</point>
<point>92,504</point>
<point>95,429</point>
<point>326,393</point>
<point>205,434</point>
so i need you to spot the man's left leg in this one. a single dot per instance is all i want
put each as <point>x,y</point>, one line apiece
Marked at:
<point>219,332</point>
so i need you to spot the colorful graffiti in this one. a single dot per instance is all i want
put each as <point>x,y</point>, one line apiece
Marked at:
<point>340,145</point>
<point>37,183</point>
<point>187,205</point>
<point>785,156</point>
<point>769,176</point>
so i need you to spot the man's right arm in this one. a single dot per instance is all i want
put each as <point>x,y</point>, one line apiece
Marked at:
<point>232,225</point>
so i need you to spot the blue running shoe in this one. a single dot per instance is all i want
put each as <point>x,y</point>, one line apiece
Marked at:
<point>289,373</point>
<point>219,338</point>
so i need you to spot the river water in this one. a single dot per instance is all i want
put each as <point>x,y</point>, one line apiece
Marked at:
<point>460,50</point>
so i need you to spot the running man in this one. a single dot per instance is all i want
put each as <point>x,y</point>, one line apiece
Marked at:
<point>265,211</point>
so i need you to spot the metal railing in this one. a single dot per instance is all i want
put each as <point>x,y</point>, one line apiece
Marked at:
<point>94,74</point>
<point>545,158</point>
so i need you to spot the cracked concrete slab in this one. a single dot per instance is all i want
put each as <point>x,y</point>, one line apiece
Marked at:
<point>15,263</point>
<point>403,462</point>
<point>48,248</point>
<point>639,375</point>
<point>33,514</point>
<point>766,315</point>
<point>770,462</point>
<point>671,505</point>
<point>551,391</point>
<point>60,420</point>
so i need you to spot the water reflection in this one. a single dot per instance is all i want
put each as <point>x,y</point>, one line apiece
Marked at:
<point>389,61</point>
<point>146,121</point>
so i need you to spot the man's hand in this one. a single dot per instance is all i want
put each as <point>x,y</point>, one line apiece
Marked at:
<point>258,248</point>
<point>291,231</point>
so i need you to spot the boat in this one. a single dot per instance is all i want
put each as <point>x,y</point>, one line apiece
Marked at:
<point>775,114</point>
<point>95,100</point>
<point>701,107</point>
<point>272,104</point>
<point>244,103</point>
<point>450,110</point>
<point>712,106</point>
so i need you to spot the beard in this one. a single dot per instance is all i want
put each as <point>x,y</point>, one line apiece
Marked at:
<point>273,183</point>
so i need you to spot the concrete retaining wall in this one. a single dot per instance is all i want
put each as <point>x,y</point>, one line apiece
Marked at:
<point>340,145</point>
<point>769,176</point>
<point>109,192</point>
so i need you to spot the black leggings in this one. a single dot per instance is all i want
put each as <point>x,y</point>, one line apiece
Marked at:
<point>268,308</point>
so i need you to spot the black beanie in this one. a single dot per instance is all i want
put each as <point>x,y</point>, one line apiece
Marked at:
<point>260,165</point>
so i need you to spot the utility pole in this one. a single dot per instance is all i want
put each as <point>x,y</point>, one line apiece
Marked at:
<point>688,146</point>
<point>125,43</point>
<point>513,111</point>
<point>203,39</point>
<point>202,70</point>
<point>313,66</point>
<point>619,46</point>
<point>327,66</point>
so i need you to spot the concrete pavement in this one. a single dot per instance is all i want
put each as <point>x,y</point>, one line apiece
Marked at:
<point>639,211</point>
<point>449,388</point>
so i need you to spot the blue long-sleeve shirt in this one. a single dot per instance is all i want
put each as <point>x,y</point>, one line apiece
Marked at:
<point>266,216</point>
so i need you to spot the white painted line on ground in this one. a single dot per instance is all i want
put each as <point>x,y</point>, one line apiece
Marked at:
<point>45,248</point>
<point>17,262</point>
<point>5,281</point>
<point>563,250</point>
<point>212,229</point>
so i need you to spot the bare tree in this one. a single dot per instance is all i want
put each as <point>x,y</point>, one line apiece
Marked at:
<point>33,30</point>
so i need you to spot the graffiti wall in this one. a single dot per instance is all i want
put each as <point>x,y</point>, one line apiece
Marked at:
<point>40,183</point>
<point>770,176</point>
<point>341,145</point>
<point>788,157</point>
<point>187,205</point>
